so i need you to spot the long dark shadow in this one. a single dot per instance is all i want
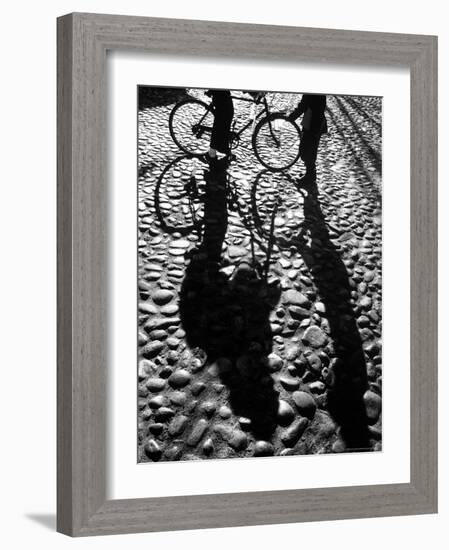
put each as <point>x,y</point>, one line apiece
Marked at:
<point>323,259</point>
<point>328,272</point>
<point>228,318</point>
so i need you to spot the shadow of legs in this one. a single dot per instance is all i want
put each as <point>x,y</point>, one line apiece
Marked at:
<point>345,401</point>
<point>228,318</point>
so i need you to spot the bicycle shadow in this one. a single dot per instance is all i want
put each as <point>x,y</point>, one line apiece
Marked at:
<point>228,318</point>
<point>348,378</point>
<point>178,206</point>
<point>266,207</point>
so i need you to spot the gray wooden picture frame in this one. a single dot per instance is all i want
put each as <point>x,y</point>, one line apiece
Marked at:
<point>83,40</point>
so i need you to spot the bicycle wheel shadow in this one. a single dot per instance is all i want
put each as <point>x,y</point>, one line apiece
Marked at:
<point>228,318</point>
<point>179,195</point>
<point>347,382</point>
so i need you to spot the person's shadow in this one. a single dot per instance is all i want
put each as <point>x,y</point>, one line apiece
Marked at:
<point>324,262</point>
<point>227,317</point>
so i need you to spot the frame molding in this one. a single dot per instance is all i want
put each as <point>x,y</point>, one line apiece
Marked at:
<point>83,40</point>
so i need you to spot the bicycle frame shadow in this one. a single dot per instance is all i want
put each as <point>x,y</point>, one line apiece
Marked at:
<point>347,382</point>
<point>228,318</point>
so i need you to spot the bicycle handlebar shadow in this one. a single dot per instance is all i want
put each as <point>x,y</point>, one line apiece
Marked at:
<point>227,317</point>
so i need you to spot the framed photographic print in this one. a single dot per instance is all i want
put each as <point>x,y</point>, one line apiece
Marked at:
<point>252,340</point>
<point>246,274</point>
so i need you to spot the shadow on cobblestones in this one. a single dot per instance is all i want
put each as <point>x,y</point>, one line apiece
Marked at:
<point>228,366</point>
<point>347,378</point>
<point>228,318</point>
<point>358,158</point>
<point>179,207</point>
<point>356,105</point>
<point>151,96</point>
<point>277,210</point>
<point>347,371</point>
<point>373,154</point>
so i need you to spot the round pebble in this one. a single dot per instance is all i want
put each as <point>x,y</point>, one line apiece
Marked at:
<point>285,414</point>
<point>305,403</point>
<point>263,448</point>
<point>314,337</point>
<point>162,297</point>
<point>179,379</point>
<point>153,450</point>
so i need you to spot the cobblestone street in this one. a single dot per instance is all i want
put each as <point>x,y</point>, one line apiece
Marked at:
<point>233,364</point>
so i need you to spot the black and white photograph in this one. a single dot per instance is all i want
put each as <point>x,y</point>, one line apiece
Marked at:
<point>259,283</point>
<point>221,258</point>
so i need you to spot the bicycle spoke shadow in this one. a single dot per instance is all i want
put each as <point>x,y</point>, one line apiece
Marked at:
<point>347,380</point>
<point>228,318</point>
